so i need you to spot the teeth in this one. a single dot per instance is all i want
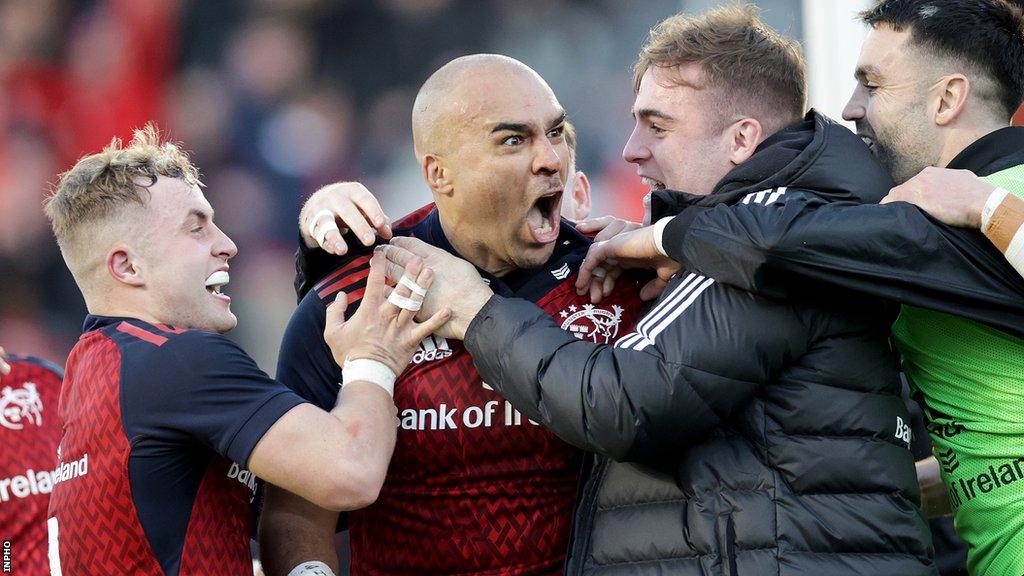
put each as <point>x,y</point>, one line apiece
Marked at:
<point>545,226</point>
<point>218,279</point>
<point>652,183</point>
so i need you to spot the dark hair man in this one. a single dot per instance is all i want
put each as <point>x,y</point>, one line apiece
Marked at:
<point>938,81</point>
<point>738,434</point>
<point>167,423</point>
<point>473,487</point>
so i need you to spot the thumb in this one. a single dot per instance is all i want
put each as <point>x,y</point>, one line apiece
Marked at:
<point>652,289</point>
<point>336,310</point>
<point>593,224</point>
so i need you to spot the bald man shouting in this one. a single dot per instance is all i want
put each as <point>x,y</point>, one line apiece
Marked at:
<point>473,486</point>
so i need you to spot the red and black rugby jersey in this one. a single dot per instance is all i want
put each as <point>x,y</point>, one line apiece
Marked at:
<point>159,423</point>
<point>29,433</point>
<point>473,487</point>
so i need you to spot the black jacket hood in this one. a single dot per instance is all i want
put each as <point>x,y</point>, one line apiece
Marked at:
<point>816,154</point>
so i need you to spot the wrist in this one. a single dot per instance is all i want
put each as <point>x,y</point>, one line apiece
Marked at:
<point>658,233</point>
<point>369,370</point>
<point>988,208</point>
<point>469,307</point>
<point>1004,224</point>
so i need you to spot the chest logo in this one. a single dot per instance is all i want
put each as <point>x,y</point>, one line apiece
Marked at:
<point>432,347</point>
<point>19,406</point>
<point>593,323</point>
<point>562,272</point>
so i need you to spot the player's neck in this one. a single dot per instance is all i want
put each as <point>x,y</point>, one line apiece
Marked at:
<point>475,252</point>
<point>120,306</point>
<point>966,133</point>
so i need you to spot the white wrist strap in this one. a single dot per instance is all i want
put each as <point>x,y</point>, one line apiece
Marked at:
<point>312,568</point>
<point>659,231</point>
<point>366,370</point>
<point>1015,251</point>
<point>994,200</point>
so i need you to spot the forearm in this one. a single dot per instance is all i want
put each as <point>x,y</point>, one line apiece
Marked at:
<point>624,404</point>
<point>292,531</point>
<point>366,414</point>
<point>774,250</point>
<point>336,460</point>
<point>934,496</point>
<point>891,251</point>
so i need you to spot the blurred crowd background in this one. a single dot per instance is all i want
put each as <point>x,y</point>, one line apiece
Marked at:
<point>276,98</point>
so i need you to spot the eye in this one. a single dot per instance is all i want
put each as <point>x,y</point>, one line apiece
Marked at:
<point>870,88</point>
<point>197,230</point>
<point>657,129</point>
<point>513,141</point>
<point>556,132</point>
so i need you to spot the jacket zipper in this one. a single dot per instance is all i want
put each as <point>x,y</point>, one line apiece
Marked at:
<point>584,525</point>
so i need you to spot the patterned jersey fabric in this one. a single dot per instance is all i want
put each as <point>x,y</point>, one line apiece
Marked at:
<point>158,425</point>
<point>29,433</point>
<point>474,487</point>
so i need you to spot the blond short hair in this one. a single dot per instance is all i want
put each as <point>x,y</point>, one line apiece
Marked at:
<point>753,67</point>
<point>101,185</point>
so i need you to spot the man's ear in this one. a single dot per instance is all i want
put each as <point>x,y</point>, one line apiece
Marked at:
<point>123,267</point>
<point>437,174</point>
<point>581,196</point>
<point>744,137</point>
<point>950,97</point>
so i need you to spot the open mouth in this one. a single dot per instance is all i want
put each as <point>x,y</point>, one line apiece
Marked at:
<point>544,216</point>
<point>652,183</point>
<point>868,141</point>
<point>216,282</point>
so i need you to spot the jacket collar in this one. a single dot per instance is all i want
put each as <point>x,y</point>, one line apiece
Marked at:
<point>992,152</point>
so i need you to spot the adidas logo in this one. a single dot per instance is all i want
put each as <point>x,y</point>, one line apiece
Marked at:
<point>432,347</point>
<point>561,273</point>
<point>766,197</point>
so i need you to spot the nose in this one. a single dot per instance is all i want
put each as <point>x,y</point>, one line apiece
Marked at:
<point>635,151</point>
<point>223,246</point>
<point>546,160</point>
<point>854,109</point>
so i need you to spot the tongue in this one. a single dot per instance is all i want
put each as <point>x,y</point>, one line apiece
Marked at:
<point>220,277</point>
<point>535,219</point>
<point>541,227</point>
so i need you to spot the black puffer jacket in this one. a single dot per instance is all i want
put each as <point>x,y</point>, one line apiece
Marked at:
<point>736,434</point>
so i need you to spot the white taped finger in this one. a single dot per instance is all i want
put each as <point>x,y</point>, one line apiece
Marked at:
<point>322,231</point>
<point>311,227</point>
<point>413,305</point>
<point>412,285</point>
